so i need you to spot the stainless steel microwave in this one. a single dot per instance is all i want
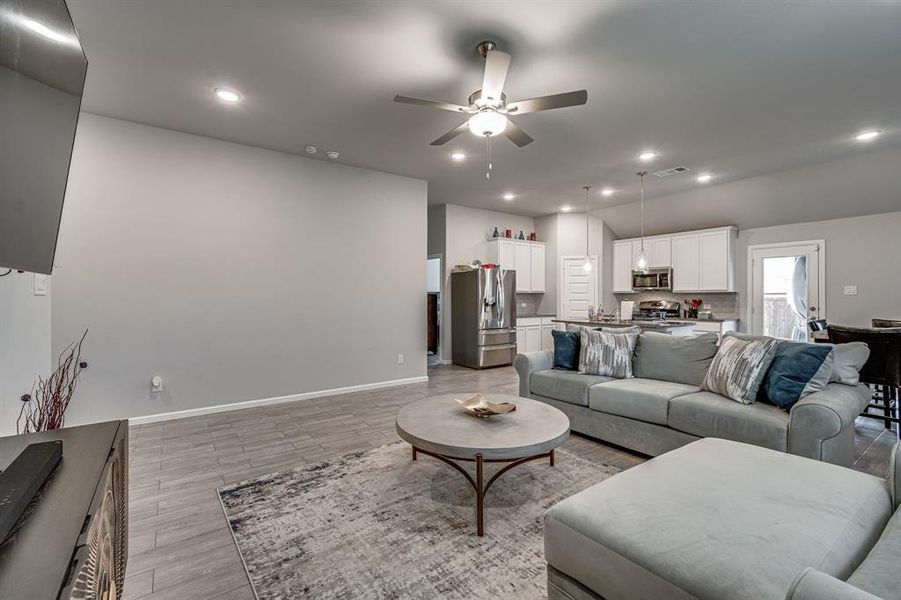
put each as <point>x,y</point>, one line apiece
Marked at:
<point>654,279</point>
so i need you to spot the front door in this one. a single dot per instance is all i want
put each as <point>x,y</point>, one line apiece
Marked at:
<point>578,288</point>
<point>787,288</point>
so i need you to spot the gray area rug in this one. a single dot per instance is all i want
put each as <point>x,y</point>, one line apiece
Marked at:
<point>375,524</point>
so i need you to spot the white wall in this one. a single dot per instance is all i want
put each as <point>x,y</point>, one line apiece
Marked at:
<point>861,251</point>
<point>24,343</point>
<point>433,275</point>
<point>234,273</point>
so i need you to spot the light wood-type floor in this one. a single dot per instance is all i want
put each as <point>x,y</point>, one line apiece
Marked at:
<point>180,545</point>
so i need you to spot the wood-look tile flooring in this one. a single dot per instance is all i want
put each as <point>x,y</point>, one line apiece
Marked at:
<point>180,546</point>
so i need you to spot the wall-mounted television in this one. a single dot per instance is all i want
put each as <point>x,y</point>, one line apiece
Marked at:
<point>42,73</point>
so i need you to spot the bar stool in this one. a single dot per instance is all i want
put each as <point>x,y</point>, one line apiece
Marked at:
<point>883,367</point>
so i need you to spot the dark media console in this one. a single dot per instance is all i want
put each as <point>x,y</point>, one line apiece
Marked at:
<point>72,541</point>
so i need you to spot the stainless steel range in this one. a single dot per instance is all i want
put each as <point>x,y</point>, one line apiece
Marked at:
<point>659,310</point>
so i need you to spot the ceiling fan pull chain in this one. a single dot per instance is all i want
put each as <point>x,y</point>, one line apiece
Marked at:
<point>490,167</point>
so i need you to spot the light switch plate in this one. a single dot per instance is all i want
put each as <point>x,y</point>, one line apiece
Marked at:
<point>850,290</point>
<point>40,285</point>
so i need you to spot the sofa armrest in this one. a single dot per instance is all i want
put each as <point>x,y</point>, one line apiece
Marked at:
<point>528,363</point>
<point>822,424</point>
<point>894,475</point>
<point>816,585</point>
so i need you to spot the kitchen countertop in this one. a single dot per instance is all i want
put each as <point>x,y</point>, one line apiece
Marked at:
<point>712,320</point>
<point>646,325</point>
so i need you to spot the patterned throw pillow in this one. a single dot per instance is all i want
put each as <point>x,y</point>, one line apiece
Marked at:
<point>738,368</point>
<point>605,353</point>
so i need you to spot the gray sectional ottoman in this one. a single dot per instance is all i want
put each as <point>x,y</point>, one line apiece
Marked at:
<point>723,520</point>
<point>662,408</point>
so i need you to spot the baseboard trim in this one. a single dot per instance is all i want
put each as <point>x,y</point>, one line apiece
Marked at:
<point>208,410</point>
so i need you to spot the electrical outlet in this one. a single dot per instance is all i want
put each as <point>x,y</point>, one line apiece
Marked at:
<point>522,304</point>
<point>850,290</point>
<point>400,359</point>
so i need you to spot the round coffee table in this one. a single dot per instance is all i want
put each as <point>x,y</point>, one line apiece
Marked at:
<point>439,427</point>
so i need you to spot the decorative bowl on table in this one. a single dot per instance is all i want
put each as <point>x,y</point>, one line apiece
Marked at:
<point>479,406</point>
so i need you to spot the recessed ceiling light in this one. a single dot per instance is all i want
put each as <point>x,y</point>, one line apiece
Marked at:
<point>227,95</point>
<point>509,196</point>
<point>704,177</point>
<point>457,156</point>
<point>310,149</point>
<point>866,136</point>
<point>565,208</point>
<point>647,155</point>
<point>607,192</point>
<point>332,154</point>
<point>48,33</point>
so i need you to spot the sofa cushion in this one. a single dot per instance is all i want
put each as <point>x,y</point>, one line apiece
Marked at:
<point>642,399</point>
<point>678,358</point>
<point>798,369</point>
<point>739,367</point>
<point>566,386</point>
<point>606,353</point>
<point>706,414</point>
<point>849,360</point>
<point>566,349</point>
<point>878,573</point>
<point>714,520</point>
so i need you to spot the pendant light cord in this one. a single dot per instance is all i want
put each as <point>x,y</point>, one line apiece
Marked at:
<point>587,189</point>
<point>641,174</point>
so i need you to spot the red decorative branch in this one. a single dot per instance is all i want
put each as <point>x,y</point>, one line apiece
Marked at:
<point>45,408</point>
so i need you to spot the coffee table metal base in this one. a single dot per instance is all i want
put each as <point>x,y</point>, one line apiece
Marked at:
<point>479,485</point>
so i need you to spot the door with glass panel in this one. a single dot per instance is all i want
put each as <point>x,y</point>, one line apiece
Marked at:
<point>787,288</point>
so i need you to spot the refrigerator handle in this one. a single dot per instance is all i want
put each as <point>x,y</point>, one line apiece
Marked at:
<point>501,296</point>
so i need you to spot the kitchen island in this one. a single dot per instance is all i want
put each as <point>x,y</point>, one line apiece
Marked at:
<point>670,327</point>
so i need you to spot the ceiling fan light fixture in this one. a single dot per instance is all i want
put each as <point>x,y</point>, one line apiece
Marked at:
<point>487,123</point>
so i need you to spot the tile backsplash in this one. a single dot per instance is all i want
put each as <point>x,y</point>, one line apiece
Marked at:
<point>723,305</point>
<point>531,302</point>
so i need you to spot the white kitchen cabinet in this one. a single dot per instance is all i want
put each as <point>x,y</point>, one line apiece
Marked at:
<point>686,262</point>
<point>717,327</point>
<point>622,267</point>
<point>533,338</point>
<point>547,336</point>
<point>702,261</point>
<point>527,258</point>
<point>659,252</point>
<point>716,270</point>
<point>523,268</point>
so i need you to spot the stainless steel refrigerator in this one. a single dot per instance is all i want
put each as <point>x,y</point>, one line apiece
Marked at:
<point>483,318</point>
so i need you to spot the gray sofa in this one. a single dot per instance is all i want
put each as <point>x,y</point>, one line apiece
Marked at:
<point>662,408</point>
<point>718,520</point>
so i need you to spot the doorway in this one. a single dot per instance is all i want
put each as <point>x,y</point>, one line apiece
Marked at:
<point>577,288</point>
<point>787,286</point>
<point>434,280</point>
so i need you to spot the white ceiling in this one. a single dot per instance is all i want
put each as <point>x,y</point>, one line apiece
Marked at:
<point>737,88</point>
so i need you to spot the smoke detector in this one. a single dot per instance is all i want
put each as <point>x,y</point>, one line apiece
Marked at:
<point>673,171</point>
<point>310,149</point>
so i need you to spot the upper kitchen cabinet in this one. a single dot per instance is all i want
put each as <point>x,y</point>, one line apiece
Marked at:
<point>524,257</point>
<point>704,261</point>
<point>622,267</point>
<point>625,255</point>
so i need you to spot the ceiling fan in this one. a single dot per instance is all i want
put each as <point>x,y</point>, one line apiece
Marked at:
<point>488,109</point>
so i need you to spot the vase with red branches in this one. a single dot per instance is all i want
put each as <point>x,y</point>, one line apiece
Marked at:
<point>45,407</point>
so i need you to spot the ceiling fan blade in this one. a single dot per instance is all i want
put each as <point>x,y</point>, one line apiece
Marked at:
<point>451,134</point>
<point>432,104</point>
<point>517,135</point>
<point>531,105</point>
<point>496,65</point>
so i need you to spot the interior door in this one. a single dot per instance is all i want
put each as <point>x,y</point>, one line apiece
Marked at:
<point>787,287</point>
<point>578,288</point>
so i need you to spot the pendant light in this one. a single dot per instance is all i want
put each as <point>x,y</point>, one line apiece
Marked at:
<point>587,265</point>
<point>641,264</point>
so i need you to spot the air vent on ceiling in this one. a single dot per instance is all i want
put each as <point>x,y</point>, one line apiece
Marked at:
<point>672,171</point>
